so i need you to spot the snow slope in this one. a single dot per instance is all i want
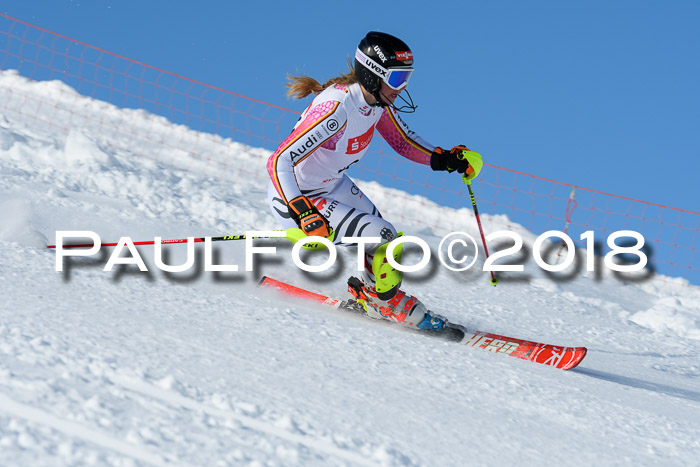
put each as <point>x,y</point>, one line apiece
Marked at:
<point>201,368</point>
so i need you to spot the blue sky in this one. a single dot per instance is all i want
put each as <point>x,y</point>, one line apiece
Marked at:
<point>600,94</point>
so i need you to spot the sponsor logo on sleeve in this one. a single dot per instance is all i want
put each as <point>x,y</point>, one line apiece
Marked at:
<point>332,124</point>
<point>401,122</point>
<point>303,147</point>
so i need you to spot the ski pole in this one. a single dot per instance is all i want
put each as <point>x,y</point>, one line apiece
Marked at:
<point>475,164</point>
<point>493,280</point>
<point>293,235</point>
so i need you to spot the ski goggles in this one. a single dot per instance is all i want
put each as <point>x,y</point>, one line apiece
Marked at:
<point>395,78</point>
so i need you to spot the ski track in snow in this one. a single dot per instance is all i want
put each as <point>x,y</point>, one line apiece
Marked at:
<point>198,368</point>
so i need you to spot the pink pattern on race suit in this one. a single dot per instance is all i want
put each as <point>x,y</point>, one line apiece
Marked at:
<point>333,142</point>
<point>271,168</point>
<point>392,132</point>
<point>317,113</point>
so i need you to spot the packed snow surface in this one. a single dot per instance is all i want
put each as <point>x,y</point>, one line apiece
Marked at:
<point>202,368</point>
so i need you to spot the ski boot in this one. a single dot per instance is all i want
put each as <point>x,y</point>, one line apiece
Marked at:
<point>385,299</point>
<point>401,307</point>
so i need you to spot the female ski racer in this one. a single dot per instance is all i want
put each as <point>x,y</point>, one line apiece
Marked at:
<point>309,187</point>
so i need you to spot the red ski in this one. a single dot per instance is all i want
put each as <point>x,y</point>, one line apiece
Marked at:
<point>564,358</point>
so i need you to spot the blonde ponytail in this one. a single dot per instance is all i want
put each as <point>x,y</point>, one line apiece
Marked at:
<point>302,86</point>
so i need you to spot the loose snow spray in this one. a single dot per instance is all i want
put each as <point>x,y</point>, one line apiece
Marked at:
<point>455,261</point>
